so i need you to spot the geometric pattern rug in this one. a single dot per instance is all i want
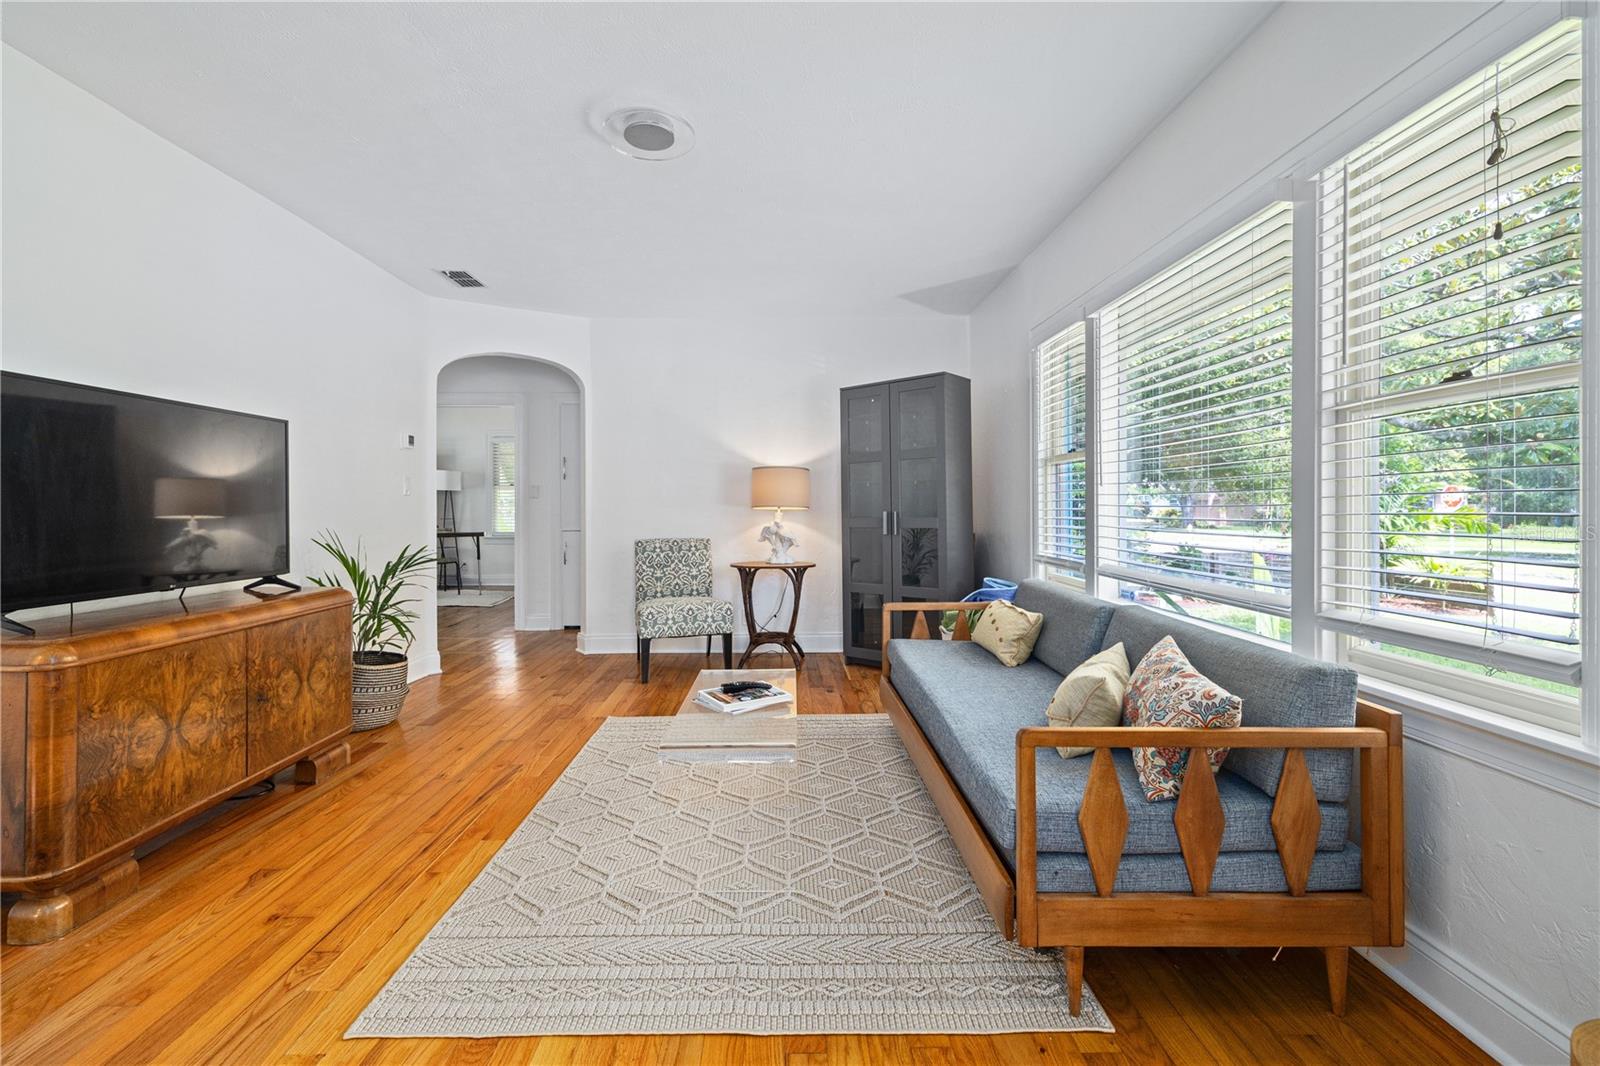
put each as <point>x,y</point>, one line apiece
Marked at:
<point>641,896</point>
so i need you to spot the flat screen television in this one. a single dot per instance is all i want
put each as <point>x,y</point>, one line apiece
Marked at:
<point>107,493</point>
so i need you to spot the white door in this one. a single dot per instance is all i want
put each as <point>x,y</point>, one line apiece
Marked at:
<point>571,567</point>
<point>571,466</point>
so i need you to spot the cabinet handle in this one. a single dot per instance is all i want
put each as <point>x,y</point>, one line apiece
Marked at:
<point>886,523</point>
<point>563,554</point>
<point>896,530</point>
<point>563,468</point>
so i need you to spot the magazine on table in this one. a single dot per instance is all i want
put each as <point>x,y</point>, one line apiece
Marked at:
<point>749,699</point>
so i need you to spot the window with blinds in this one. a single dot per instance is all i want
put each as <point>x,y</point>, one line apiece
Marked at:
<point>502,486</point>
<point>1449,260</point>
<point>1061,421</point>
<point>1193,479</point>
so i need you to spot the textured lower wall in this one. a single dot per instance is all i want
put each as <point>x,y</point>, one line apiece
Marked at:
<point>1503,904</point>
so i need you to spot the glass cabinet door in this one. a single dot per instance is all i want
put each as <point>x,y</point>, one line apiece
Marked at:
<point>866,471</point>
<point>918,524</point>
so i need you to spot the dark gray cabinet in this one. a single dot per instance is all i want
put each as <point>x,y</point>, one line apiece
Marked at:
<point>906,485</point>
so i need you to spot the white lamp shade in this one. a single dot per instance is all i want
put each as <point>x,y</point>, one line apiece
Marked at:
<point>190,497</point>
<point>780,488</point>
<point>447,480</point>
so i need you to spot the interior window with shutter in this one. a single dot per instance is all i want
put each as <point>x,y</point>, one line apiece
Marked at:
<point>1194,476</point>
<point>502,486</point>
<point>1450,259</point>
<point>1060,418</point>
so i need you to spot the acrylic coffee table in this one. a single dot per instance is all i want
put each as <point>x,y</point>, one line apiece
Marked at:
<point>700,734</point>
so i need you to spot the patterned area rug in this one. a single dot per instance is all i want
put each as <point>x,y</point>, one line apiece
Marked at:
<point>823,896</point>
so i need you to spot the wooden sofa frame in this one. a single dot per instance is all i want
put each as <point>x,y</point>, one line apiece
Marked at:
<point>1072,921</point>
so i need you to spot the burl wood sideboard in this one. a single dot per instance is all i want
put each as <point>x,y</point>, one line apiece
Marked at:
<point>125,724</point>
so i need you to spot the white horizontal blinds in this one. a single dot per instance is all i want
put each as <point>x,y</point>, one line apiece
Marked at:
<point>1194,472</point>
<point>503,484</point>
<point>1061,418</point>
<point>1450,460</point>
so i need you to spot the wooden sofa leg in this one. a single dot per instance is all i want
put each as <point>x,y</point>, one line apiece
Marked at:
<point>1338,975</point>
<point>644,660</point>
<point>1072,959</point>
<point>727,651</point>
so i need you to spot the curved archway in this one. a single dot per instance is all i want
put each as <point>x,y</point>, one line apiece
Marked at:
<point>484,401</point>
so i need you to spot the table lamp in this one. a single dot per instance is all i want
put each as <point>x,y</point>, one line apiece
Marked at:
<point>449,483</point>
<point>779,489</point>
<point>192,498</point>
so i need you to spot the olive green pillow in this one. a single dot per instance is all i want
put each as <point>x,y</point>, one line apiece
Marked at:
<point>1008,632</point>
<point>1091,695</point>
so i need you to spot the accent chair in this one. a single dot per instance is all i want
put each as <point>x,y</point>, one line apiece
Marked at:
<point>672,596</point>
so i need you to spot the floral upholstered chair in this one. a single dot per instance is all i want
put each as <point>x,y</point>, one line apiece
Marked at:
<point>672,596</point>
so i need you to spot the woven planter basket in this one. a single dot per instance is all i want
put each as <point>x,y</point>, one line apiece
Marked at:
<point>379,680</point>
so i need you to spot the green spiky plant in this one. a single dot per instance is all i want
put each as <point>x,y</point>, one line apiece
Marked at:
<point>382,616</point>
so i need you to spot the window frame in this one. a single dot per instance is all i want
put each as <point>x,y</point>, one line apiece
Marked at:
<point>1437,711</point>
<point>1347,640</point>
<point>491,531</point>
<point>1073,573</point>
<point>1110,574</point>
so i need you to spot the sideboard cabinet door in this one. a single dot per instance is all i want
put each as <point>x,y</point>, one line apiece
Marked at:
<point>158,731</point>
<point>299,685</point>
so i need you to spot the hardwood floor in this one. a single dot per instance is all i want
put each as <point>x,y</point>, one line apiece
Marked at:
<point>259,934</point>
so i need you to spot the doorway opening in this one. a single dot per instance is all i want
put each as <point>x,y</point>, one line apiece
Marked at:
<point>509,508</point>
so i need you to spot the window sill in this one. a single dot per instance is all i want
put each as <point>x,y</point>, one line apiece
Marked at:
<point>499,536</point>
<point>1544,757</point>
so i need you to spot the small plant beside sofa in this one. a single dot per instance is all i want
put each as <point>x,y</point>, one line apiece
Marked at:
<point>1073,852</point>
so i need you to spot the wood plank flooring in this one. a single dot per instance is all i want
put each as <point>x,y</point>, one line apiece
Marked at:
<point>258,935</point>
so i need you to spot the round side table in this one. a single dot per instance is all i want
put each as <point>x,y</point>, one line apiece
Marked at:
<point>796,572</point>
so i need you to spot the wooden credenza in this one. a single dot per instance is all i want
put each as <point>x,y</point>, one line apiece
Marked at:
<point>131,721</point>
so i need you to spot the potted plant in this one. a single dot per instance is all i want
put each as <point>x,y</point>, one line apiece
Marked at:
<point>381,619</point>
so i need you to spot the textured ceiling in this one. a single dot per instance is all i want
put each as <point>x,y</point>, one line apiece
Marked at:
<point>855,158</point>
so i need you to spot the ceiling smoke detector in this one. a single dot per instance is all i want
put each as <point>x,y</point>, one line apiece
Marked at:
<point>645,134</point>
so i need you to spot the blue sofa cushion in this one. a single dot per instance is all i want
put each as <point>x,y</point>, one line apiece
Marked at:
<point>1074,624</point>
<point>970,707</point>
<point>1236,871</point>
<point>1278,689</point>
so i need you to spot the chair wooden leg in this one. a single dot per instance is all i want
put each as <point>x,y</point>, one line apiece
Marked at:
<point>644,660</point>
<point>1338,975</point>
<point>727,651</point>
<point>708,645</point>
<point>1072,960</point>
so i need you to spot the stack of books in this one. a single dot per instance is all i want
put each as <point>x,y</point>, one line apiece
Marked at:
<point>749,699</point>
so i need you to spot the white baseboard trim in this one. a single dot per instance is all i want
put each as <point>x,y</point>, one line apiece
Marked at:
<point>536,623</point>
<point>424,665</point>
<point>1497,1019</point>
<point>626,644</point>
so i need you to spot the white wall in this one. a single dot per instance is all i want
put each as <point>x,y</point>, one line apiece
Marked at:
<point>465,431</point>
<point>684,408</point>
<point>1503,919</point>
<point>535,391</point>
<point>128,263</point>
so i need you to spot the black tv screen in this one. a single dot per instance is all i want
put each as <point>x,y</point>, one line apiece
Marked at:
<point>108,493</point>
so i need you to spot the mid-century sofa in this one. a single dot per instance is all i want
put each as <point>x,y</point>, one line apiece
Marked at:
<point>1069,853</point>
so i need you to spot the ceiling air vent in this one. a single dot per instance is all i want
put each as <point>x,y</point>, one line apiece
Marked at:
<point>463,279</point>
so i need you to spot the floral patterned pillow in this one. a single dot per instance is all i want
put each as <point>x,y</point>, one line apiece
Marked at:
<point>1165,690</point>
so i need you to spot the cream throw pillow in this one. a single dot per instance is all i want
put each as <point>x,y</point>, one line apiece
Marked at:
<point>1007,632</point>
<point>1091,695</point>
